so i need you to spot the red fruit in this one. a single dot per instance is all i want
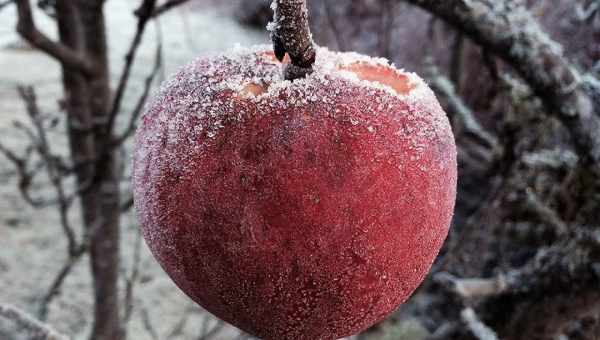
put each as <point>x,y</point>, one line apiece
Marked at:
<point>295,210</point>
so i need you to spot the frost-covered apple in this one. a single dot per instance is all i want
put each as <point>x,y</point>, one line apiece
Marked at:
<point>295,210</point>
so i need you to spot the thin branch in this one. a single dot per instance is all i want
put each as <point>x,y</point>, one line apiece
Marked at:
<point>144,14</point>
<point>167,6</point>
<point>177,329</point>
<point>444,88</point>
<point>130,284</point>
<point>131,127</point>
<point>548,215</point>
<point>55,170</point>
<point>58,281</point>
<point>208,334</point>
<point>28,96</point>
<point>470,288</point>
<point>290,33</point>
<point>148,323</point>
<point>24,174</point>
<point>68,57</point>
<point>35,328</point>
<point>127,204</point>
<point>555,270</point>
<point>476,326</point>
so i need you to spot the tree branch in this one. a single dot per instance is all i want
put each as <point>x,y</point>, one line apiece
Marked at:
<point>170,4</point>
<point>290,33</point>
<point>144,13</point>
<point>455,105</point>
<point>508,30</point>
<point>69,58</point>
<point>131,127</point>
<point>35,328</point>
<point>480,330</point>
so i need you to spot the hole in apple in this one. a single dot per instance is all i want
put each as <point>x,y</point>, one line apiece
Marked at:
<point>253,90</point>
<point>381,74</point>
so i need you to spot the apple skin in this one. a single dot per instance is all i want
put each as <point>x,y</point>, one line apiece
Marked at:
<point>304,210</point>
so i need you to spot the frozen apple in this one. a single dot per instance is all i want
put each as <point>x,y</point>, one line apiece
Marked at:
<point>295,210</point>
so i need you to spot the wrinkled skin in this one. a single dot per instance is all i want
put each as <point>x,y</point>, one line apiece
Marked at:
<point>291,218</point>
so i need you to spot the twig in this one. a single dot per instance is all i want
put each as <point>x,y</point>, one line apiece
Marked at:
<point>546,213</point>
<point>476,326</point>
<point>24,174</point>
<point>65,55</point>
<point>35,328</point>
<point>54,169</point>
<point>28,96</point>
<point>290,33</point>
<point>207,334</point>
<point>144,14</point>
<point>142,99</point>
<point>555,270</point>
<point>148,323</point>
<point>179,326</point>
<point>443,87</point>
<point>130,284</point>
<point>472,287</point>
<point>58,281</point>
<point>167,6</point>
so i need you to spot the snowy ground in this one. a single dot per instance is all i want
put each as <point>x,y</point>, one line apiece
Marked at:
<point>32,247</point>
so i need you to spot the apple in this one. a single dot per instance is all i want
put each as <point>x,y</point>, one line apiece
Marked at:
<point>305,209</point>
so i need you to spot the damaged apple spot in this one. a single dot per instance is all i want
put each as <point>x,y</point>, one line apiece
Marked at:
<point>252,90</point>
<point>381,74</point>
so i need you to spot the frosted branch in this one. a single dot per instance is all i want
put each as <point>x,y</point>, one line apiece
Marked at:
<point>37,329</point>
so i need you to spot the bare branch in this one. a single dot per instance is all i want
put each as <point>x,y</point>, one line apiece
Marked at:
<point>55,171</point>
<point>208,334</point>
<point>476,326</point>
<point>290,33</point>
<point>148,323</point>
<point>52,167</point>
<point>56,285</point>
<point>35,328</point>
<point>69,58</point>
<point>131,127</point>
<point>472,287</point>
<point>167,6</point>
<point>545,213</point>
<point>130,284</point>
<point>177,329</point>
<point>144,14</point>
<point>455,105</point>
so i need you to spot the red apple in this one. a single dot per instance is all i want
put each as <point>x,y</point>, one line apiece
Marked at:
<point>295,210</point>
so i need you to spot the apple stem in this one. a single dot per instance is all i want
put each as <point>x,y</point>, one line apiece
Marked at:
<point>291,34</point>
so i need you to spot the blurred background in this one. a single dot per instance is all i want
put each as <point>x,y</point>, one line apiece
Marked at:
<point>519,79</point>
